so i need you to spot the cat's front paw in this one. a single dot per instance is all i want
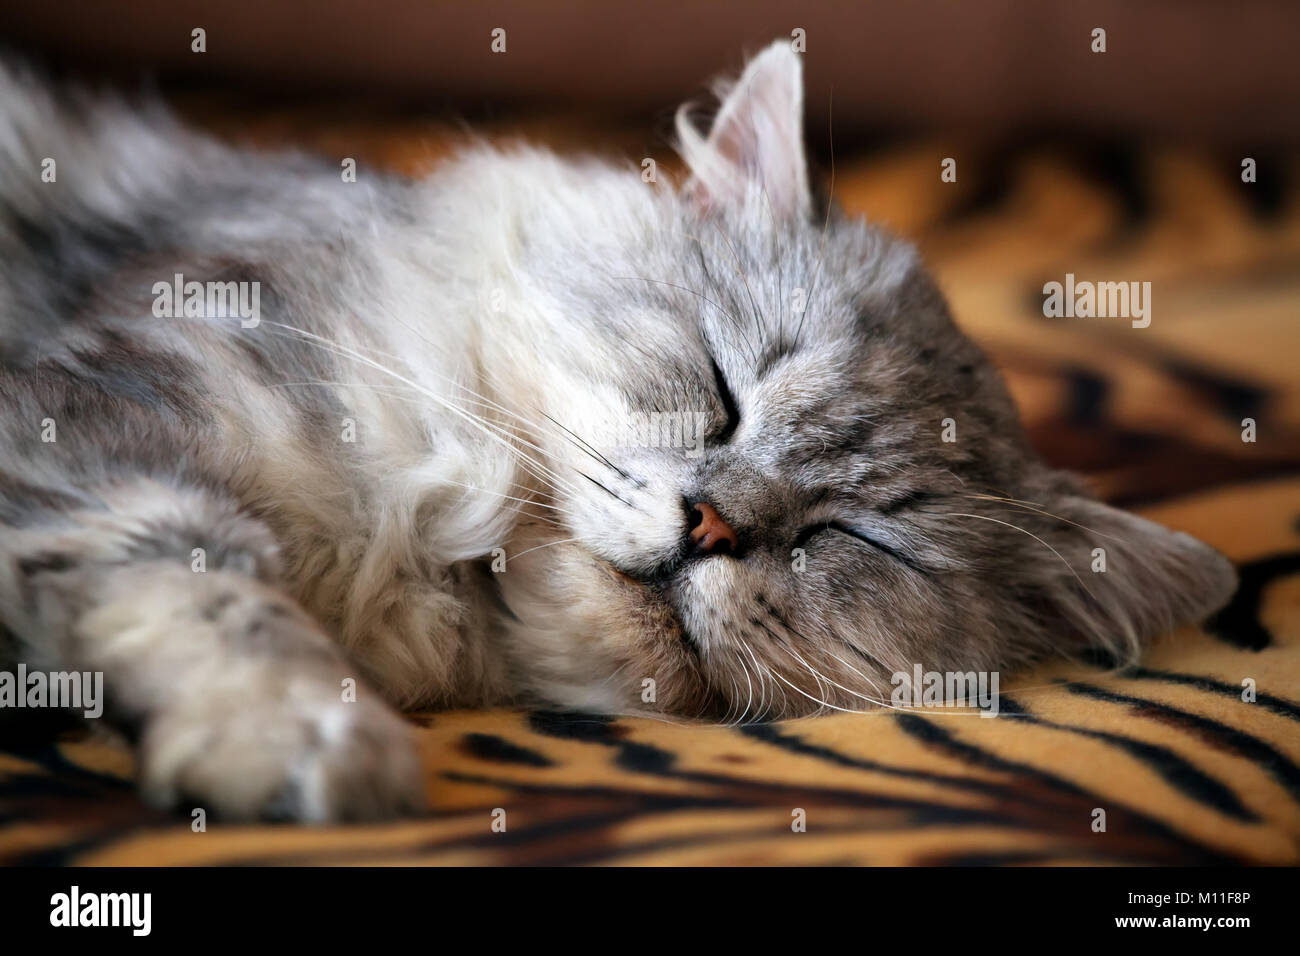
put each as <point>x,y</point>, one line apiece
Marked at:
<point>298,756</point>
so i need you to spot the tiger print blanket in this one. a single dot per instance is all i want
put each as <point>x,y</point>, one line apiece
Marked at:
<point>1191,758</point>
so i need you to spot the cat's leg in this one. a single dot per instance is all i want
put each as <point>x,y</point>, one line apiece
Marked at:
<point>239,702</point>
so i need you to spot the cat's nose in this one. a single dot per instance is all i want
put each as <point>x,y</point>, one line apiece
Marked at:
<point>710,532</point>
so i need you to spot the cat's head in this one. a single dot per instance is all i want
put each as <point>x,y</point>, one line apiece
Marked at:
<point>776,472</point>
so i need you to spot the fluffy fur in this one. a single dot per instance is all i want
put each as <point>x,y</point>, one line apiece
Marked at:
<point>403,472</point>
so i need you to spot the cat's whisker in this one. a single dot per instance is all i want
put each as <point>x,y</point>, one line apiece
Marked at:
<point>816,700</point>
<point>960,514</point>
<point>769,682</point>
<point>476,421</point>
<point>878,701</point>
<point>579,443</point>
<point>753,303</point>
<point>551,476</point>
<point>732,699</point>
<point>539,547</point>
<point>391,389</point>
<point>865,677</point>
<point>1029,506</point>
<point>327,383</point>
<point>605,489</point>
<point>735,714</point>
<point>540,471</point>
<point>777,639</point>
<point>572,438</point>
<point>590,449</point>
<point>821,677</point>
<point>779,258</point>
<point>785,694</point>
<point>759,671</point>
<point>618,670</point>
<point>735,321</point>
<point>830,202</point>
<point>484,400</point>
<point>750,693</point>
<point>680,288</point>
<point>749,701</point>
<point>528,501</point>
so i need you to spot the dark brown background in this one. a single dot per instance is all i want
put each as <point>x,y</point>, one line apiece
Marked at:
<point>1216,71</point>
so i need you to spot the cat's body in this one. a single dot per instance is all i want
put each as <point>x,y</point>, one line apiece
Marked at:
<point>399,451</point>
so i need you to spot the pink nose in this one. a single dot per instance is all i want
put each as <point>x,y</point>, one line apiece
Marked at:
<point>711,533</point>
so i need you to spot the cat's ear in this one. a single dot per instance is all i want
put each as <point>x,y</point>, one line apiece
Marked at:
<point>1128,579</point>
<point>756,139</point>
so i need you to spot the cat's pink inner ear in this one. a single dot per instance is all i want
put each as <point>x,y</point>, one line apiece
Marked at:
<point>757,138</point>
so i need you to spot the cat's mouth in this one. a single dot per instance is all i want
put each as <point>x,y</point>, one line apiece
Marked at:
<point>661,587</point>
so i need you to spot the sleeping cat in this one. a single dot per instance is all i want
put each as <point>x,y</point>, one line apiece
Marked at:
<point>281,453</point>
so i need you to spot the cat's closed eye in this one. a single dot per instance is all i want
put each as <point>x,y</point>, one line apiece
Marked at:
<point>873,541</point>
<point>728,404</point>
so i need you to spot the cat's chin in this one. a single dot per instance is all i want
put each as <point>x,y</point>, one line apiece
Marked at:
<point>586,635</point>
<point>593,637</point>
